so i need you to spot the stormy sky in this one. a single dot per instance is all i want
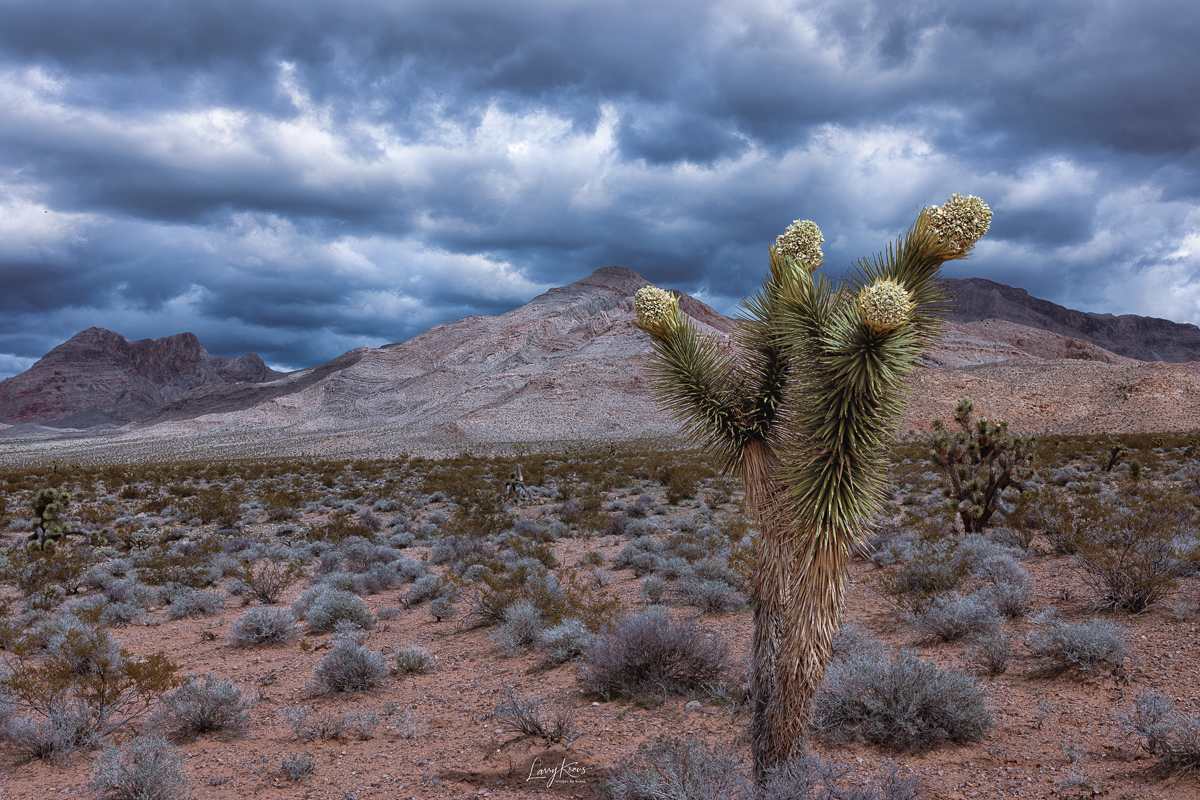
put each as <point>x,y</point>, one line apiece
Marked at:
<point>301,177</point>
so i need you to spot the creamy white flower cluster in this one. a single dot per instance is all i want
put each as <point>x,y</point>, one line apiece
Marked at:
<point>960,221</point>
<point>885,305</point>
<point>654,305</point>
<point>801,241</point>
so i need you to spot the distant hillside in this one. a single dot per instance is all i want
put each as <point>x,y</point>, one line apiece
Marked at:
<point>568,365</point>
<point>98,377</point>
<point>1143,338</point>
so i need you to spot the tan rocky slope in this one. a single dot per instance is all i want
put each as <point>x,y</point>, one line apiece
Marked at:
<point>570,365</point>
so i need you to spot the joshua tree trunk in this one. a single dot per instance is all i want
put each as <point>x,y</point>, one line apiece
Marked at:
<point>797,597</point>
<point>773,738</point>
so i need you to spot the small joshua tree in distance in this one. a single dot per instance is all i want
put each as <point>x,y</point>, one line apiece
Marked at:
<point>979,462</point>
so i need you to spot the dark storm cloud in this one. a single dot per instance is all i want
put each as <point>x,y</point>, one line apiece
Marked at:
<point>302,178</point>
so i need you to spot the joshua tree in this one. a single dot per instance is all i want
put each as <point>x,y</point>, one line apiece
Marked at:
<point>48,504</point>
<point>1116,451</point>
<point>980,461</point>
<point>802,408</point>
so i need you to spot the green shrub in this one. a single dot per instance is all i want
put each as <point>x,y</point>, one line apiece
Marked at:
<point>931,570</point>
<point>1129,555</point>
<point>267,580</point>
<point>84,668</point>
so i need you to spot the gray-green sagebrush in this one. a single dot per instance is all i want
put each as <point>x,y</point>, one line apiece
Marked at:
<point>802,407</point>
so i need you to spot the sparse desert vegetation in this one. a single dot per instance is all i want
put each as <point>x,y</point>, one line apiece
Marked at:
<point>394,628</point>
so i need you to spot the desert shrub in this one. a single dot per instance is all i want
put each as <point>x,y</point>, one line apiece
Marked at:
<point>891,546</point>
<point>651,652</point>
<point>45,575</point>
<point>992,653</point>
<point>194,603</point>
<point>162,564</point>
<point>521,627</point>
<point>410,570</point>
<point>682,484</point>
<point>807,777</point>
<point>414,660</point>
<point>428,587</point>
<point>1130,558</point>
<point>999,568</point>
<point>901,703</point>
<point>84,668</point>
<point>128,590</point>
<point>975,551</point>
<point>298,767</point>
<point>362,723</point>
<point>344,582</point>
<point>851,642</point>
<point>709,595</point>
<point>350,667</point>
<point>952,618</point>
<point>267,580</point>
<point>307,725</point>
<point>1082,646</point>
<point>261,625</point>
<point>117,615</point>
<point>557,596</point>
<point>196,707</point>
<point>333,606</point>
<point>568,640</point>
<point>651,589</point>
<point>342,526</point>
<point>66,729</point>
<point>1012,599</point>
<point>442,608</point>
<point>1174,739</point>
<point>529,717</point>
<point>143,768</point>
<point>676,769</point>
<point>931,570</point>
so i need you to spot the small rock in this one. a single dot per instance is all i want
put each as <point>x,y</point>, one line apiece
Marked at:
<point>693,705</point>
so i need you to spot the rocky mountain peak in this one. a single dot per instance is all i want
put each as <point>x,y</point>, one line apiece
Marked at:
<point>99,377</point>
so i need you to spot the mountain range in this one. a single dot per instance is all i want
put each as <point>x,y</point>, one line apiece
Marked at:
<point>568,365</point>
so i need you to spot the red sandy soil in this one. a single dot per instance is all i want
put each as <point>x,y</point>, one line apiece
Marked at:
<point>1053,737</point>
